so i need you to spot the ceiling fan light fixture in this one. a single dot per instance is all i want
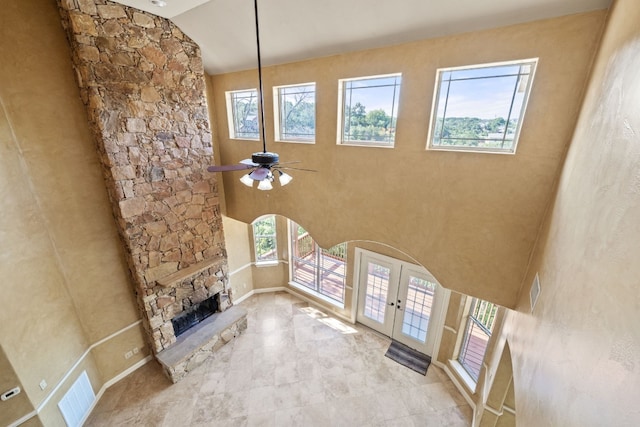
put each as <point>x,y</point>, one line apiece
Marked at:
<point>284,178</point>
<point>265,184</point>
<point>263,164</point>
<point>259,174</point>
<point>247,180</point>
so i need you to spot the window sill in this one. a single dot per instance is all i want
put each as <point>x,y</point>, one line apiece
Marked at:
<point>245,139</point>
<point>316,294</point>
<point>267,263</point>
<point>297,141</point>
<point>366,144</point>
<point>471,150</point>
<point>463,375</point>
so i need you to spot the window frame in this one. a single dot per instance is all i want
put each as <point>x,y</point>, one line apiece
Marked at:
<point>465,324</point>
<point>231,114</point>
<point>341,111</point>
<point>533,62</point>
<point>277,108</point>
<point>256,237</point>
<point>317,265</point>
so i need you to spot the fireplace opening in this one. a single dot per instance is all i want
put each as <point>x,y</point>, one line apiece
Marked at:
<point>195,315</point>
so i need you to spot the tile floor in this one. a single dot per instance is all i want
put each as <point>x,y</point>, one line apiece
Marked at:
<point>293,366</point>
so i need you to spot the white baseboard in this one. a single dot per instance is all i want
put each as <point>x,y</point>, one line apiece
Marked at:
<point>104,387</point>
<point>243,297</point>
<point>463,391</point>
<point>316,304</point>
<point>295,294</point>
<point>24,419</point>
<point>258,291</point>
<point>126,372</point>
<point>114,380</point>
<point>267,290</point>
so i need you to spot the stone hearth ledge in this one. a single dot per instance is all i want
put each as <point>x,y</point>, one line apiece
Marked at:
<point>175,278</point>
<point>194,346</point>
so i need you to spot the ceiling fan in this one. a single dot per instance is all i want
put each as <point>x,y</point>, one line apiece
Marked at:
<point>263,163</point>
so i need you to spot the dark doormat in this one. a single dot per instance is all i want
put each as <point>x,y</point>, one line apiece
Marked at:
<point>408,357</point>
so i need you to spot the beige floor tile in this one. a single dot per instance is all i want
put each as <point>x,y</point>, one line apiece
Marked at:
<point>264,419</point>
<point>294,366</point>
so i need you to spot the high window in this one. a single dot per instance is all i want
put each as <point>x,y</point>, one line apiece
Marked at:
<point>242,113</point>
<point>476,336</point>
<point>369,110</point>
<point>264,240</point>
<point>318,271</point>
<point>295,113</point>
<point>480,108</point>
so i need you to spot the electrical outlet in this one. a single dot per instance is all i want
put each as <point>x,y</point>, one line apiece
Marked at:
<point>128,354</point>
<point>43,385</point>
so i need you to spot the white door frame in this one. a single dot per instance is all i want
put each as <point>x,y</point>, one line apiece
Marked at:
<point>386,327</point>
<point>438,310</point>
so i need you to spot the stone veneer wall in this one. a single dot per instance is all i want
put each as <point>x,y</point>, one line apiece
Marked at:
<point>142,82</point>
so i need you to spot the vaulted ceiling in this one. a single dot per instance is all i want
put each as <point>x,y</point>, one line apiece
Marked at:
<point>292,30</point>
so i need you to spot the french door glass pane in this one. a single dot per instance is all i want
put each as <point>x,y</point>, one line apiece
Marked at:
<point>417,308</point>
<point>376,295</point>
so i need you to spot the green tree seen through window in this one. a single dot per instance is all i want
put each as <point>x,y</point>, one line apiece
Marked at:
<point>264,238</point>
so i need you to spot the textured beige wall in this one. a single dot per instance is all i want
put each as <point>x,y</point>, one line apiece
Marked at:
<point>265,277</point>
<point>272,276</point>
<point>109,356</point>
<point>577,357</point>
<point>470,219</point>
<point>453,320</point>
<point>19,405</point>
<point>238,242</point>
<point>50,414</point>
<point>64,281</point>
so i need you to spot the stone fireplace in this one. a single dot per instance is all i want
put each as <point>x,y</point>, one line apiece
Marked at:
<point>196,314</point>
<point>142,82</point>
<point>195,291</point>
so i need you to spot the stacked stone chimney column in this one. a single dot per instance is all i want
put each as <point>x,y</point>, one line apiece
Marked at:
<point>142,82</point>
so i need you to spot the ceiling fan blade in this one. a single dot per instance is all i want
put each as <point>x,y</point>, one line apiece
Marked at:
<point>288,163</point>
<point>297,169</point>
<point>248,162</point>
<point>226,168</point>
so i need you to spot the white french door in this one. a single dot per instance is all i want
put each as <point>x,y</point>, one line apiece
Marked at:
<point>400,300</point>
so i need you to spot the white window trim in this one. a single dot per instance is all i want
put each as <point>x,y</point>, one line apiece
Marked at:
<point>340,122</point>
<point>230,113</point>
<point>455,365</point>
<point>315,294</point>
<point>304,288</point>
<point>269,262</point>
<point>454,362</point>
<point>463,375</point>
<point>276,115</point>
<point>436,95</point>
